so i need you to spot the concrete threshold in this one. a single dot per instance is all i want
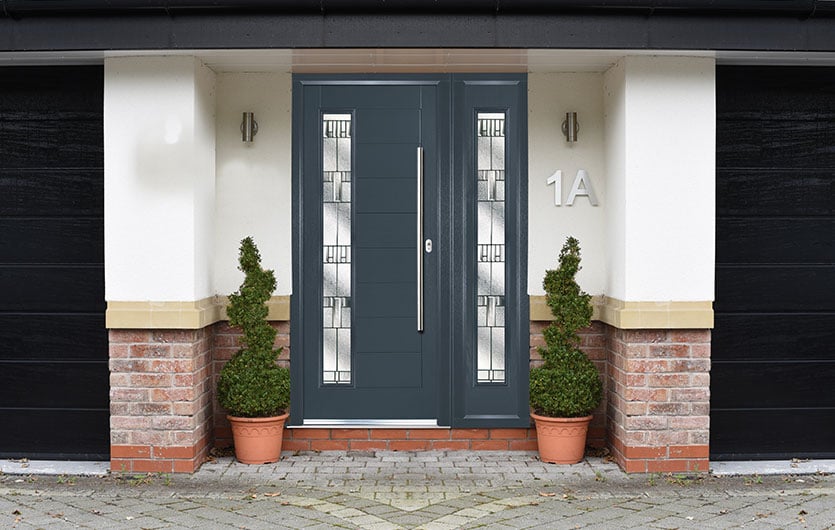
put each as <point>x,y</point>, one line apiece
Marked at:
<point>795,466</point>
<point>53,467</point>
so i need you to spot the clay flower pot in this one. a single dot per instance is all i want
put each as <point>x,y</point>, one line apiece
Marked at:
<point>258,440</point>
<point>561,440</point>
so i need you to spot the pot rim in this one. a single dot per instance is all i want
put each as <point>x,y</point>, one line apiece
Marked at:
<point>580,419</point>
<point>258,420</point>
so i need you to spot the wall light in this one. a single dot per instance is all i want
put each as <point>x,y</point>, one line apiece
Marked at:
<point>249,127</point>
<point>570,127</point>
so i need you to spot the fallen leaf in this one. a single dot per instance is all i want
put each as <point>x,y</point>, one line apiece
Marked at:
<point>276,494</point>
<point>546,494</point>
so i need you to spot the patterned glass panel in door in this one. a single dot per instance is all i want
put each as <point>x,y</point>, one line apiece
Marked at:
<point>490,255</point>
<point>336,248</point>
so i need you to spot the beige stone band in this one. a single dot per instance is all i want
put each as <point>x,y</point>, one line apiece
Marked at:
<point>617,313</point>
<point>639,315</point>
<point>181,315</point>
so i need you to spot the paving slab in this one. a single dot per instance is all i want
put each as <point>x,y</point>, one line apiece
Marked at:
<point>397,490</point>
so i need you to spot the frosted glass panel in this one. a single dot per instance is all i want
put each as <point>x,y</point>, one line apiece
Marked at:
<point>490,249</point>
<point>336,248</point>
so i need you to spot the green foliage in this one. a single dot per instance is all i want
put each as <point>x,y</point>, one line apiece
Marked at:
<point>251,384</point>
<point>567,385</point>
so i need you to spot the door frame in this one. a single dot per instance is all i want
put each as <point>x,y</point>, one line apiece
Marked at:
<point>460,399</point>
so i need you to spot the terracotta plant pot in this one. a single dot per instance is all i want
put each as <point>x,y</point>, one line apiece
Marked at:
<point>258,440</point>
<point>561,440</point>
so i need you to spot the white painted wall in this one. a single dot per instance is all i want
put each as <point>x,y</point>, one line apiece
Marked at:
<point>254,194</point>
<point>614,97</point>
<point>159,145</point>
<point>182,190</point>
<point>660,143</point>
<point>550,96</point>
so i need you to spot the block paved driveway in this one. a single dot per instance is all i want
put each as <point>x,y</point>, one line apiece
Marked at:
<point>435,490</point>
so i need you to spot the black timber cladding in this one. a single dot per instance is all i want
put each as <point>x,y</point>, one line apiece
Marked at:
<point>773,346</point>
<point>53,342</point>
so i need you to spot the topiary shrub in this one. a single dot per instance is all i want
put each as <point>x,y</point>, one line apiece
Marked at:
<point>567,385</point>
<point>251,384</point>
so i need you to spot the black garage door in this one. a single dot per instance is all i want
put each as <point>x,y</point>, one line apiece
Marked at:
<point>53,343</point>
<point>773,376</point>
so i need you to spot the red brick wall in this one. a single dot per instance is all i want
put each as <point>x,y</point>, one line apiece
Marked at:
<point>409,439</point>
<point>164,415</point>
<point>226,341</point>
<point>160,399</point>
<point>659,399</point>
<point>593,343</point>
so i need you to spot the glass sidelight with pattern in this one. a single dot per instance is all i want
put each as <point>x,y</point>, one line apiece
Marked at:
<point>336,248</point>
<point>490,255</point>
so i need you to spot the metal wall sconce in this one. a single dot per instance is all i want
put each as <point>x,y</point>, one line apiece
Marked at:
<point>249,127</point>
<point>570,127</point>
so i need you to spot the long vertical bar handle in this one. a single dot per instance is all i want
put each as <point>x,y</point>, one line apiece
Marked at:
<point>420,239</point>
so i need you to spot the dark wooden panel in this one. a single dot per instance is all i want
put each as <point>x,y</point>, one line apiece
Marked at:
<point>770,143</point>
<point>772,434</point>
<point>772,385</point>
<point>52,192</point>
<point>775,192</point>
<point>775,202</point>
<point>49,337</point>
<point>60,142</point>
<point>775,89</point>
<point>750,240</point>
<point>38,90</point>
<point>775,289</point>
<point>55,434</point>
<point>52,289</point>
<point>53,367</point>
<point>54,384</point>
<point>804,337</point>
<point>51,241</point>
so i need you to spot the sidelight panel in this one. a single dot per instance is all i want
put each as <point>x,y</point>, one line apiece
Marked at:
<point>336,248</point>
<point>490,252</point>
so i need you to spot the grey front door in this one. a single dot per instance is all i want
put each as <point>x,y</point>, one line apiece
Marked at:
<point>408,289</point>
<point>361,171</point>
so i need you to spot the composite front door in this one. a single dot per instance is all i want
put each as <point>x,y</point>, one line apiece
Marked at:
<point>401,291</point>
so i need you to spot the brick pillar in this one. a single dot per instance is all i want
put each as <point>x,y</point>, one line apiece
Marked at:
<point>659,399</point>
<point>593,344</point>
<point>160,399</point>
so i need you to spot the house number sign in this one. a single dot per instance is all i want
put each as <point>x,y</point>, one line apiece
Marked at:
<point>581,187</point>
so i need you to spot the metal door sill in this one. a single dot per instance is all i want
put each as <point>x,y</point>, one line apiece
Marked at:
<point>369,424</point>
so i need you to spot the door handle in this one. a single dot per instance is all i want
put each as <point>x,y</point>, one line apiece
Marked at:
<point>420,239</point>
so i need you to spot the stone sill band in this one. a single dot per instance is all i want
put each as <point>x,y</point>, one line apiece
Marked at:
<point>202,313</point>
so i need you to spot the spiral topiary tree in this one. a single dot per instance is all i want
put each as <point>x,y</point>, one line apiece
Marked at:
<point>251,384</point>
<point>567,385</point>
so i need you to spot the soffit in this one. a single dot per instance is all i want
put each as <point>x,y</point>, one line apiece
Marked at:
<point>401,60</point>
